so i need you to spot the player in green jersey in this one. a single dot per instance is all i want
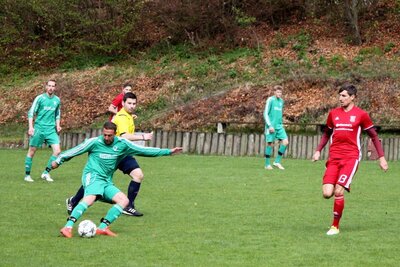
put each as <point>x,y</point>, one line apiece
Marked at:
<point>273,116</point>
<point>125,128</point>
<point>104,154</point>
<point>46,108</point>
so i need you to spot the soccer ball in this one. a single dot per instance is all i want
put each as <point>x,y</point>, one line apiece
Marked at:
<point>87,228</point>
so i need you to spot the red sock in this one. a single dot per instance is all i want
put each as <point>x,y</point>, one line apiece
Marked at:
<point>338,207</point>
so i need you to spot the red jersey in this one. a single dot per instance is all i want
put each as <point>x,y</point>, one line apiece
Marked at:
<point>347,127</point>
<point>117,102</point>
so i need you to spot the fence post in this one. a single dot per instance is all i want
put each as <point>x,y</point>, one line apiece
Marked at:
<point>186,142</point>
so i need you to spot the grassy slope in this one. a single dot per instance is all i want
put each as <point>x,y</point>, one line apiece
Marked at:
<point>201,211</point>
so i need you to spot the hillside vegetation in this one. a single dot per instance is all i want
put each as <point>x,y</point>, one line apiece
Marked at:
<point>190,79</point>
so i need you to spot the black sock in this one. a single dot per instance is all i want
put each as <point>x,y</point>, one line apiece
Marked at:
<point>133,191</point>
<point>78,196</point>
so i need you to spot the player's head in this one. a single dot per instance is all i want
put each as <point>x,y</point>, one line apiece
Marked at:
<point>50,87</point>
<point>129,102</point>
<point>127,87</point>
<point>278,91</point>
<point>109,130</point>
<point>347,93</point>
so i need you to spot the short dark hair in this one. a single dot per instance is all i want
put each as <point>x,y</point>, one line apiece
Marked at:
<point>129,95</point>
<point>350,88</point>
<point>278,87</point>
<point>110,126</point>
<point>127,84</point>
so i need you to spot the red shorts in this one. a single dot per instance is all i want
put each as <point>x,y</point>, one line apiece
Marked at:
<point>340,171</point>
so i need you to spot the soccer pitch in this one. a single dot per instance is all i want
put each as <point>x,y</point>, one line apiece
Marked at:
<point>203,211</point>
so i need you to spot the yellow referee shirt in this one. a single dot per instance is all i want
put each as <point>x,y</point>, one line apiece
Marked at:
<point>124,122</point>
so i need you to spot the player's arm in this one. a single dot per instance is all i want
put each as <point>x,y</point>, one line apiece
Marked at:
<point>267,119</point>
<point>378,146</point>
<point>112,109</point>
<point>58,118</point>
<point>138,137</point>
<point>326,134</point>
<point>150,151</point>
<point>84,147</point>
<point>31,113</point>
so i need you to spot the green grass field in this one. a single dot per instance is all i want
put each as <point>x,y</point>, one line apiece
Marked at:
<point>204,211</point>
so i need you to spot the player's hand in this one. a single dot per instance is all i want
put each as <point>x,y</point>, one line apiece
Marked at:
<point>148,136</point>
<point>59,129</point>
<point>134,116</point>
<point>316,156</point>
<point>31,131</point>
<point>54,165</point>
<point>271,129</point>
<point>383,164</point>
<point>176,150</point>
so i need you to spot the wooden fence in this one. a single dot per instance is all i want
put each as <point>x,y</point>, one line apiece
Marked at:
<point>300,146</point>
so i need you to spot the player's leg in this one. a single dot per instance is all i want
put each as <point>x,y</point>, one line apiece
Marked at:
<point>28,163</point>
<point>347,170</point>
<point>35,141</point>
<point>54,141</point>
<point>269,140</point>
<point>77,212</point>
<point>71,202</point>
<point>121,201</point>
<point>93,188</point>
<point>130,166</point>
<point>281,135</point>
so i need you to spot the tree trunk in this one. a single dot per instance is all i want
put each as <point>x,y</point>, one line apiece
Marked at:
<point>351,13</point>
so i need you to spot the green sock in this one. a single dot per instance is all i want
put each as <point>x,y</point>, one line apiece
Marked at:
<point>268,152</point>
<point>48,167</point>
<point>112,215</point>
<point>28,165</point>
<point>77,212</point>
<point>281,151</point>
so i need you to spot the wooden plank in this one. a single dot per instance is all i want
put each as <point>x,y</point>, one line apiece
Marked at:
<point>243,144</point>
<point>193,140</point>
<point>250,145</point>
<point>221,144</point>
<point>262,145</point>
<point>186,142</point>
<point>207,144</point>
<point>171,139</point>
<point>178,140</point>
<point>236,145</point>
<point>228,145</point>
<point>200,143</point>
<point>214,144</point>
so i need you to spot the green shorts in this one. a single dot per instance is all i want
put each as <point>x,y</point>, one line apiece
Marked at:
<point>93,184</point>
<point>40,136</point>
<point>279,134</point>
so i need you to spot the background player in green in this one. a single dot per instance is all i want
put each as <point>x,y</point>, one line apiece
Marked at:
<point>273,117</point>
<point>46,107</point>
<point>104,154</point>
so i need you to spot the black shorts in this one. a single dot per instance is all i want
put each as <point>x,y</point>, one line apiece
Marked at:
<point>128,164</point>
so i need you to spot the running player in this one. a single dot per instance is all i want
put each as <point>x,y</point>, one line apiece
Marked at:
<point>46,107</point>
<point>344,125</point>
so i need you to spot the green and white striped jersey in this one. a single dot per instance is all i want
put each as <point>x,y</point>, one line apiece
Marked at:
<point>103,159</point>
<point>273,112</point>
<point>46,109</point>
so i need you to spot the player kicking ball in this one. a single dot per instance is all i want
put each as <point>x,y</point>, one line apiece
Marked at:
<point>104,152</point>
